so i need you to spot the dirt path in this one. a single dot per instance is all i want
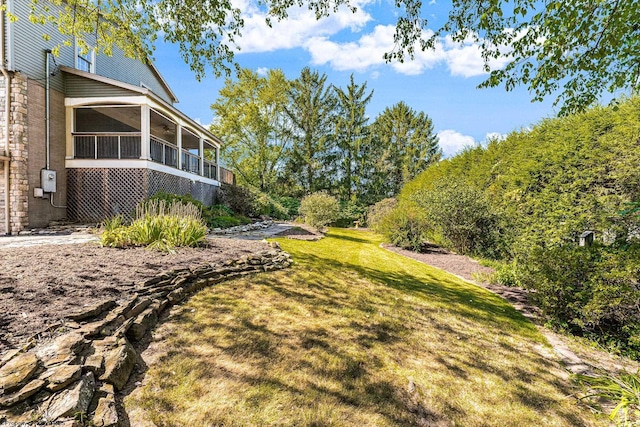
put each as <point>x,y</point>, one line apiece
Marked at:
<point>576,358</point>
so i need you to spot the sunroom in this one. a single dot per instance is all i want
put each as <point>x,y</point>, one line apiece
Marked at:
<point>125,145</point>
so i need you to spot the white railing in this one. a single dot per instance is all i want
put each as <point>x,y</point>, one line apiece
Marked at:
<point>127,145</point>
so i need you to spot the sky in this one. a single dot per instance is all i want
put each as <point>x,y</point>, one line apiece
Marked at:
<point>442,83</point>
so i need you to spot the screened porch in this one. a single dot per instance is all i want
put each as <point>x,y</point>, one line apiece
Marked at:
<point>141,132</point>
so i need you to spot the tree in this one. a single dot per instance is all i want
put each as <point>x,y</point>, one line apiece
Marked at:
<point>312,113</point>
<point>351,132</point>
<point>407,144</point>
<point>250,117</point>
<point>580,48</point>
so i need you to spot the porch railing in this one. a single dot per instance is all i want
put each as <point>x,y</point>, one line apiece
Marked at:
<point>190,162</point>
<point>127,145</point>
<point>209,170</point>
<point>107,145</point>
<point>163,151</point>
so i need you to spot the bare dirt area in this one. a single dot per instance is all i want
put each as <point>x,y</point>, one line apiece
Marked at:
<point>40,284</point>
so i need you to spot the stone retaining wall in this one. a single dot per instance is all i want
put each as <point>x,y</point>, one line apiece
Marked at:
<point>76,375</point>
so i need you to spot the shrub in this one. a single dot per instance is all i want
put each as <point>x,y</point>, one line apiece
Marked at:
<point>404,227</point>
<point>376,213</point>
<point>251,202</point>
<point>460,218</point>
<point>268,206</point>
<point>319,209</point>
<point>350,212</point>
<point>594,292</point>
<point>291,204</point>
<point>158,225</point>
<point>239,199</point>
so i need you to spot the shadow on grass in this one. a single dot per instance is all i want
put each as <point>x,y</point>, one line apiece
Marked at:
<point>344,361</point>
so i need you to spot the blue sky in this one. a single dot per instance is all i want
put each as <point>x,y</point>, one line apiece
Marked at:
<point>442,83</point>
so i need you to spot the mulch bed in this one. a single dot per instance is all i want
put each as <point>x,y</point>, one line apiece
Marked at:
<point>301,232</point>
<point>40,284</point>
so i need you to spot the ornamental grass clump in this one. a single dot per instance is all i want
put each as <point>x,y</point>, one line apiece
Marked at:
<point>158,225</point>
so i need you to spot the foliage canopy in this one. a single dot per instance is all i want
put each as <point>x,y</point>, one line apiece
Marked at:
<point>579,49</point>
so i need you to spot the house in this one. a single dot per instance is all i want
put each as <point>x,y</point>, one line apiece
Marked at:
<point>85,136</point>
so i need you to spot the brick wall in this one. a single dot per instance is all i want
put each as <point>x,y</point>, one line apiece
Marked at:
<point>41,212</point>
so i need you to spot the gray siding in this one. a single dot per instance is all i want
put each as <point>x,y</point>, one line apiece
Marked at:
<point>28,53</point>
<point>79,87</point>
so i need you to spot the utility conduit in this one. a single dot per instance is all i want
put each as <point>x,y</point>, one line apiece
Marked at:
<point>4,154</point>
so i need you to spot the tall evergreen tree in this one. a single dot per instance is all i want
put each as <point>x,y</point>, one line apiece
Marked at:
<point>311,109</point>
<point>351,133</point>
<point>407,146</point>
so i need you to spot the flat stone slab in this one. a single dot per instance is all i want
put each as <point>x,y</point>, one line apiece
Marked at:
<point>62,376</point>
<point>18,371</point>
<point>25,392</point>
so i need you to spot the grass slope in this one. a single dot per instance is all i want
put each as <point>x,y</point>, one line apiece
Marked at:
<point>352,335</point>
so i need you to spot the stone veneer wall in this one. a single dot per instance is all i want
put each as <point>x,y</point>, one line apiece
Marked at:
<point>77,374</point>
<point>18,149</point>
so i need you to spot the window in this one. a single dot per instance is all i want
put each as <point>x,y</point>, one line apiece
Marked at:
<point>85,61</point>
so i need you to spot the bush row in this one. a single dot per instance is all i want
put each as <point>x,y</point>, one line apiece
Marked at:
<point>525,200</point>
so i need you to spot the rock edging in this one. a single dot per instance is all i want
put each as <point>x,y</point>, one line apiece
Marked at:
<point>260,225</point>
<point>75,376</point>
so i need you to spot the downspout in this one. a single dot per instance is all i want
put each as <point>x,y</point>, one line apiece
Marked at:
<point>47,113</point>
<point>5,156</point>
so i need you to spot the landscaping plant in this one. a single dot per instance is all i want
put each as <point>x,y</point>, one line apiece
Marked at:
<point>319,209</point>
<point>158,225</point>
<point>623,390</point>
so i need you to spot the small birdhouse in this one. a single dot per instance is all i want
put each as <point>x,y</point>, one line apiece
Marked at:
<point>586,238</point>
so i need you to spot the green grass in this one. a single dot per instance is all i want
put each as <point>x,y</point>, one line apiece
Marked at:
<point>352,335</point>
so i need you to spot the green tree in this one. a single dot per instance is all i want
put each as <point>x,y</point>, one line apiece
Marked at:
<point>407,144</point>
<point>580,48</point>
<point>312,111</point>
<point>250,117</point>
<point>351,133</point>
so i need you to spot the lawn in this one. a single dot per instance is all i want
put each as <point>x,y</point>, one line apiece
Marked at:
<point>352,335</point>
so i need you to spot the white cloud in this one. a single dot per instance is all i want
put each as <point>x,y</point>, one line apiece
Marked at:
<point>302,30</point>
<point>465,59</point>
<point>262,71</point>
<point>452,142</point>
<point>495,136</point>
<point>360,55</point>
<point>299,27</point>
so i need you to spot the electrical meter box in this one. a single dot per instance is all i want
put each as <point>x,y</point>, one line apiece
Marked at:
<point>48,180</point>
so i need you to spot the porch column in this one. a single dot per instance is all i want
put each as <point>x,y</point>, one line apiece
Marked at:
<point>217,162</point>
<point>145,127</point>
<point>179,143</point>
<point>201,152</point>
<point>70,127</point>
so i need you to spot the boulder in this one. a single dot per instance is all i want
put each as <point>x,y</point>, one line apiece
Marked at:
<point>18,371</point>
<point>71,401</point>
<point>118,364</point>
